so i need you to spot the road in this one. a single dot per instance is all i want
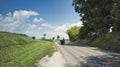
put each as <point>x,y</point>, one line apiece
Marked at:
<point>84,56</point>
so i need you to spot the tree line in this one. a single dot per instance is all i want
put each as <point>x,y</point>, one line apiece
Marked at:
<point>98,16</point>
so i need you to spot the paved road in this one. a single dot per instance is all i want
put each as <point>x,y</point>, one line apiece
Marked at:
<point>83,56</point>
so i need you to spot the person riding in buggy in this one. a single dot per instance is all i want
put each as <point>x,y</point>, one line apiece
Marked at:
<point>62,42</point>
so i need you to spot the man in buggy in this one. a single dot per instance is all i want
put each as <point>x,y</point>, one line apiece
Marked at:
<point>62,42</point>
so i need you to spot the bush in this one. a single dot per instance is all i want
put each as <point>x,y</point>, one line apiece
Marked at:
<point>33,37</point>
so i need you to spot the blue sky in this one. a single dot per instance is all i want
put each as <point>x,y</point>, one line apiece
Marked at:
<point>36,17</point>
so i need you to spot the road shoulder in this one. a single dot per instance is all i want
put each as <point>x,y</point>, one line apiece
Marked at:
<point>56,60</point>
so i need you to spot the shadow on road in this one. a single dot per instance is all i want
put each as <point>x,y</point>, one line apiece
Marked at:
<point>97,62</point>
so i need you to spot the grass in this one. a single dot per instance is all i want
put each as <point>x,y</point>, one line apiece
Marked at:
<point>22,51</point>
<point>110,42</point>
<point>67,40</point>
<point>10,39</point>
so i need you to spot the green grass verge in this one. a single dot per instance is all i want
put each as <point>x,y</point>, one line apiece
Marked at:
<point>19,50</point>
<point>110,42</point>
<point>25,55</point>
<point>11,39</point>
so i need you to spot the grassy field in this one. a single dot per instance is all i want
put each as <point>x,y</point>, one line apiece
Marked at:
<point>21,51</point>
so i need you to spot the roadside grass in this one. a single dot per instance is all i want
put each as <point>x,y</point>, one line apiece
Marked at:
<point>25,55</point>
<point>10,39</point>
<point>110,42</point>
<point>19,50</point>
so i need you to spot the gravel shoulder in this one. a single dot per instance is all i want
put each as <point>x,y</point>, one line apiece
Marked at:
<point>56,60</point>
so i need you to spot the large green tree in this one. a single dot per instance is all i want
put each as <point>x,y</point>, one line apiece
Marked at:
<point>95,15</point>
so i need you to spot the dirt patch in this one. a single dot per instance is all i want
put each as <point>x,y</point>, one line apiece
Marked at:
<point>56,60</point>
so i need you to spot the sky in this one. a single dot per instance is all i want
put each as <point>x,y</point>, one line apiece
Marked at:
<point>36,17</point>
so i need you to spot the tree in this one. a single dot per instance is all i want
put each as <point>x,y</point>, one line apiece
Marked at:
<point>44,36</point>
<point>58,37</point>
<point>116,15</point>
<point>53,38</point>
<point>33,37</point>
<point>73,33</point>
<point>96,16</point>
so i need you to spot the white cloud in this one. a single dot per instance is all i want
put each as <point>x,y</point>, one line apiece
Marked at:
<point>34,30</point>
<point>36,20</point>
<point>24,14</point>
<point>40,28</point>
<point>8,22</point>
<point>61,28</point>
<point>76,24</point>
<point>9,14</point>
<point>64,27</point>
<point>48,25</point>
<point>32,26</point>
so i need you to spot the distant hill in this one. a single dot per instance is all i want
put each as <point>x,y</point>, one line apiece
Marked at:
<point>10,34</point>
<point>8,39</point>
